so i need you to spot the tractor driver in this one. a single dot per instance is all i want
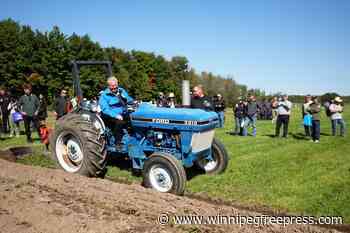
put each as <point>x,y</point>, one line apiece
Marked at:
<point>113,102</point>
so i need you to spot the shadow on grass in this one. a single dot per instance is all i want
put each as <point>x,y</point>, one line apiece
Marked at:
<point>233,133</point>
<point>193,172</point>
<point>300,136</point>
<point>125,164</point>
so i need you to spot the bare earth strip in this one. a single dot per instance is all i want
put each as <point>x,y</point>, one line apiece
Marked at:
<point>34,199</point>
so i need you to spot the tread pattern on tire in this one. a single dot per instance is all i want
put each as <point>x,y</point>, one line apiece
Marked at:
<point>95,154</point>
<point>224,157</point>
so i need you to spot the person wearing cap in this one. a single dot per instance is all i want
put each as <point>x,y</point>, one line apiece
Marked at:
<point>60,104</point>
<point>336,109</point>
<point>307,117</point>
<point>171,100</point>
<point>239,111</point>
<point>200,100</point>
<point>219,107</point>
<point>161,101</point>
<point>113,102</point>
<point>29,106</point>
<point>284,108</point>
<point>314,109</point>
<point>251,116</point>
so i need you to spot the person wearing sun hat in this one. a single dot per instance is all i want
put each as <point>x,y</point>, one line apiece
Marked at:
<point>336,109</point>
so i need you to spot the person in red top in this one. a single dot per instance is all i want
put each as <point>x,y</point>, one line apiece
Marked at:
<point>45,135</point>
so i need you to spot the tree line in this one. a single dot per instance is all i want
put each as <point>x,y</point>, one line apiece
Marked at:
<point>43,59</point>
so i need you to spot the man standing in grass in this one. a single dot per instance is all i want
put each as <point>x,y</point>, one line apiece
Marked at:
<point>314,109</point>
<point>60,105</point>
<point>219,107</point>
<point>336,110</point>
<point>251,116</point>
<point>29,105</point>
<point>239,111</point>
<point>284,108</point>
<point>4,103</point>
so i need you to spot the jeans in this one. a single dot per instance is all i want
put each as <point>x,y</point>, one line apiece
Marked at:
<point>282,120</point>
<point>308,130</point>
<point>340,122</point>
<point>249,121</point>
<point>27,124</point>
<point>14,128</point>
<point>238,124</point>
<point>221,119</point>
<point>316,130</point>
<point>5,122</point>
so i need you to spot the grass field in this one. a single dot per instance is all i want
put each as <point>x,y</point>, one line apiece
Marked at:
<point>292,175</point>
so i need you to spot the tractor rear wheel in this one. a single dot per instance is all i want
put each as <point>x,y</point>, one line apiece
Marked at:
<point>219,162</point>
<point>164,173</point>
<point>78,147</point>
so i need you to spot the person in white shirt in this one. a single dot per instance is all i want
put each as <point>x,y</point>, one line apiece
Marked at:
<point>171,100</point>
<point>283,113</point>
<point>16,118</point>
<point>336,109</point>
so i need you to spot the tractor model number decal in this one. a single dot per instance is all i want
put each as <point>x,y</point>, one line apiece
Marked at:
<point>161,121</point>
<point>190,122</point>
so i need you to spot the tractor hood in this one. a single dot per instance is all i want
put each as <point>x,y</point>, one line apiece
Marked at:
<point>147,115</point>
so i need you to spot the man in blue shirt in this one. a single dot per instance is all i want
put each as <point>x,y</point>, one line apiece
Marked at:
<point>113,102</point>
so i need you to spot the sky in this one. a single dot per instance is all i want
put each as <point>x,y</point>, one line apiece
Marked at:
<point>294,47</point>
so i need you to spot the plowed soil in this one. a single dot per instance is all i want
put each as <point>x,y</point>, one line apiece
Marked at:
<point>35,199</point>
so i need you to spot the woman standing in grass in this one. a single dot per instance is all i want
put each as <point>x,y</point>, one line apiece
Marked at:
<point>307,118</point>
<point>314,109</point>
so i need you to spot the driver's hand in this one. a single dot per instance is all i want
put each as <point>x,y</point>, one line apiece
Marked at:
<point>119,117</point>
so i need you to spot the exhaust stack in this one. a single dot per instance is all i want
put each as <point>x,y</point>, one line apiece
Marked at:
<point>186,98</point>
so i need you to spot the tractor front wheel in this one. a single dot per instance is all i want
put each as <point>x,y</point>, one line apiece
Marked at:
<point>164,173</point>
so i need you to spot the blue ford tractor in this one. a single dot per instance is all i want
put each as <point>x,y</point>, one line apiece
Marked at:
<point>160,142</point>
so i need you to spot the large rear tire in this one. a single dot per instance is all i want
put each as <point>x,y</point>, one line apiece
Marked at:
<point>164,173</point>
<point>78,147</point>
<point>220,159</point>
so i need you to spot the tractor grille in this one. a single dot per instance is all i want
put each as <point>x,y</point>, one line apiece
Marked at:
<point>202,141</point>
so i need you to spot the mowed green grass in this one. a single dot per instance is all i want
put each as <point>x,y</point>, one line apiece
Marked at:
<point>292,175</point>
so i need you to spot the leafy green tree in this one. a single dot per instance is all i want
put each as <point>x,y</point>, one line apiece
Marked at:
<point>43,59</point>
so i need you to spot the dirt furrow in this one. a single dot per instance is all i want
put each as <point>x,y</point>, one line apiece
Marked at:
<point>34,199</point>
